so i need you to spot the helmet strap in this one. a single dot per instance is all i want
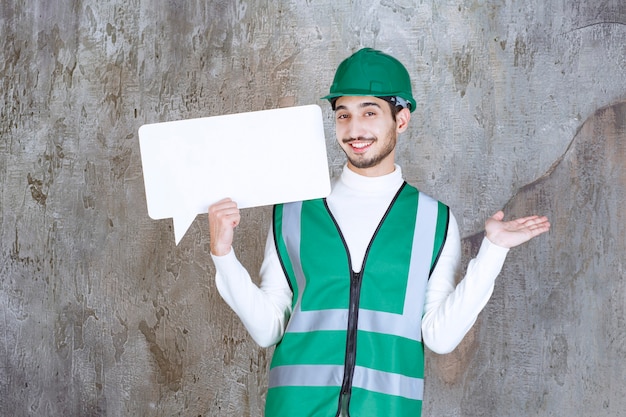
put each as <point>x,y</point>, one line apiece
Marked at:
<point>399,101</point>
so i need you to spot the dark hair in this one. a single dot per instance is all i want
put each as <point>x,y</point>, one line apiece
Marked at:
<point>395,108</point>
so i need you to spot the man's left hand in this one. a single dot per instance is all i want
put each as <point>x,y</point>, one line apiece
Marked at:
<point>515,232</point>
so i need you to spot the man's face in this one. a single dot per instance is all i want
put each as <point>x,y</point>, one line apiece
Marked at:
<point>367,133</point>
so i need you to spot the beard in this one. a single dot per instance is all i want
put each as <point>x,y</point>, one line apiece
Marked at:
<point>363,161</point>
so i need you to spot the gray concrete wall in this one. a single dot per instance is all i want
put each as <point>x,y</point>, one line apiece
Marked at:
<point>521,106</point>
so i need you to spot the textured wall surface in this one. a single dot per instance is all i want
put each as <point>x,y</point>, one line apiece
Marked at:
<point>521,105</point>
<point>552,340</point>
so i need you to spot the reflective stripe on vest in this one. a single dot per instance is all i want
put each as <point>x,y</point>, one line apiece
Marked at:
<point>332,375</point>
<point>289,371</point>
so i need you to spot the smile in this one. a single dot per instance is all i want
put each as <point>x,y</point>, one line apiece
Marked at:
<point>360,144</point>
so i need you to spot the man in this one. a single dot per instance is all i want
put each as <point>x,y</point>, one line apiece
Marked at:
<point>352,285</point>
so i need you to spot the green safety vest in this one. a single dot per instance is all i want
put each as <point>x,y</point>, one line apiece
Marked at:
<point>353,344</point>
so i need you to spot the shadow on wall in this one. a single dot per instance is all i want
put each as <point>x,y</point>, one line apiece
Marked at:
<point>553,336</point>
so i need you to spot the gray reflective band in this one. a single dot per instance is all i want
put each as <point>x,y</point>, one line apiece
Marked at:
<point>332,376</point>
<point>372,321</point>
<point>291,234</point>
<point>421,259</point>
<point>310,321</point>
<point>388,383</point>
<point>306,376</point>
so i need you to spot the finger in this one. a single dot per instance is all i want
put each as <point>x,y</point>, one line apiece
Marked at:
<point>229,216</point>
<point>530,221</point>
<point>222,204</point>
<point>539,221</point>
<point>224,213</point>
<point>222,209</point>
<point>539,228</point>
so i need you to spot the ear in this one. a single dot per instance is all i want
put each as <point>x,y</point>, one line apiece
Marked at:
<point>402,120</point>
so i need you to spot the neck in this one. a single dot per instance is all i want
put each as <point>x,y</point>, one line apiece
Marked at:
<point>377,184</point>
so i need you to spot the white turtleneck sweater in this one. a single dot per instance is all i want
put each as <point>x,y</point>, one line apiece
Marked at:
<point>358,204</point>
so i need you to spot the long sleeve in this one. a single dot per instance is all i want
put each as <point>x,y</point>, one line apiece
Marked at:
<point>265,309</point>
<point>450,311</point>
<point>358,204</point>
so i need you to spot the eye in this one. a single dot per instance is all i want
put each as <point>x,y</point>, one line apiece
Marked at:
<point>342,116</point>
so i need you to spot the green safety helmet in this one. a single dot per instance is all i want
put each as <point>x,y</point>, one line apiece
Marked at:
<point>369,72</point>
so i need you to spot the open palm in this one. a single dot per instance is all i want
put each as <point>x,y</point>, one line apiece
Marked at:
<point>514,232</point>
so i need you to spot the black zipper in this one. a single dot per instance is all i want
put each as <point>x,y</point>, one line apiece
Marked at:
<point>350,361</point>
<point>353,312</point>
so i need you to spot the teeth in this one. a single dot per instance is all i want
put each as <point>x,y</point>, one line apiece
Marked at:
<point>360,145</point>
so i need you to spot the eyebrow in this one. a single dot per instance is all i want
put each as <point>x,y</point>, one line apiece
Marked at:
<point>361,105</point>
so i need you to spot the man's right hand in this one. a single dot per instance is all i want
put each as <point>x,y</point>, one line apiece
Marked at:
<point>223,218</point>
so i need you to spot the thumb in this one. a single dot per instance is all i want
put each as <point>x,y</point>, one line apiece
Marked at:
<point>499,215</point>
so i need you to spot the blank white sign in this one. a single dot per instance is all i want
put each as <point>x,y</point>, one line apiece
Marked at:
<point>256,158</point>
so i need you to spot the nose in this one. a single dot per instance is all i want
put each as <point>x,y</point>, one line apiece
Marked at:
<point>354,129</point>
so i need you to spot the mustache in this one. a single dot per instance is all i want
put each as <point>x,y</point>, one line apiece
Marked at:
<point>363,138</point>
